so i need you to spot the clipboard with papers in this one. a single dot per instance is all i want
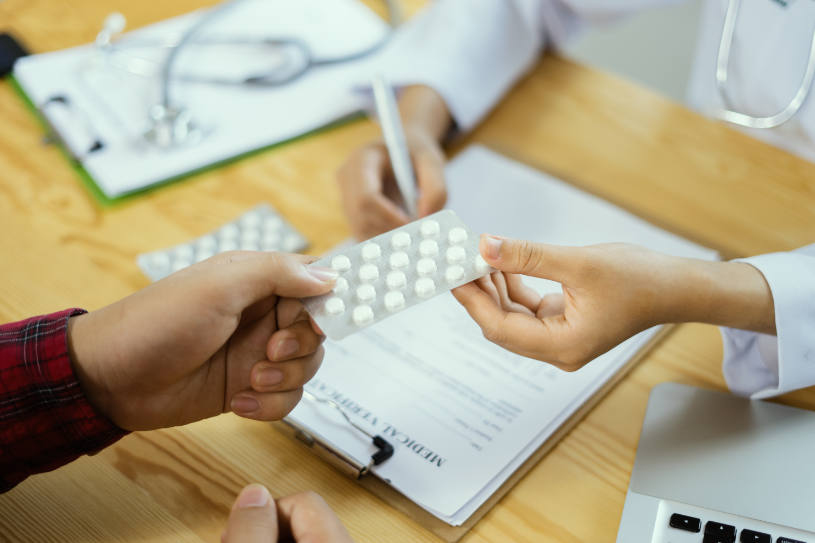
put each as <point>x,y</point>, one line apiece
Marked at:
<point>465,418</point>
<point>99,103</point>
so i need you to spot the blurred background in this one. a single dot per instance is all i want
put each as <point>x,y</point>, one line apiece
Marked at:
<point>654,48</point>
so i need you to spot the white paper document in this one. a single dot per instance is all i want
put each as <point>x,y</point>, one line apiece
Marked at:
<point>109,95</point>
<point>462,413</point>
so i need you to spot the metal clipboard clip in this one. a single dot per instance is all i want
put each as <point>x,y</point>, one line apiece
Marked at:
<point>71,127</point>
<point>333,455</point>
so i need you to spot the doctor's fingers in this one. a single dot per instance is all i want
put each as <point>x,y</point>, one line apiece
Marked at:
<point>377,214</point>
<point>361,181</point>
<point>496,286</point>
<point>555,262</point>
<point>505,293</point>
<point>551,305</point>
<point>522,293</point>
<point>488,286</point>
<point>292,374</point>
<point>429,166</point>
<point>550,340</point>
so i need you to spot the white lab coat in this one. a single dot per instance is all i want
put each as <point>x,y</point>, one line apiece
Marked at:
<point>473,51</point>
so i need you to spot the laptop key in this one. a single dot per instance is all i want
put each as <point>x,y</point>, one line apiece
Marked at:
<point>750,536</point>
<point>788,540</point>
<point>725,532</point>
<point>684,522</point>
<point>714,538</point>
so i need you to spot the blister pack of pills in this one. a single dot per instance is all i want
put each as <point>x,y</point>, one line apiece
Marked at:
<point>259,229</point>
<point>396,270</point>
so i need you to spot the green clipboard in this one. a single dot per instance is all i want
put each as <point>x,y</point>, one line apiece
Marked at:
<point>106,201</point>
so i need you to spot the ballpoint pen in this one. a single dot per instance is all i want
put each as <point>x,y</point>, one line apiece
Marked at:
<point>395,141</point>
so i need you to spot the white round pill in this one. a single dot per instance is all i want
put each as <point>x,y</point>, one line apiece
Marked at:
<point>184,252</point>
<point>206,243</point>
<point>180,264</point>
<point>341,286</point>
<point>426,266</point>
<point>250,236</point>
<point>341,263</point>
<point>334,306</point>
<point>456,255</point>
<point>202,255</point>
<point>399,260</point>
<point>250,219</point>
<point>481,265</point>
<point>270,242</point>
<point>428,248</point>
<point>159,260</point>
<point>371,252</point>
<point>424,287</point>
<point>454,274</point>
<point>368,273</point>
<point>363,314</point>
<point>396,280</point>
<point>429,228</point>
<point>272,224</point>
<point>394,300</point>
<point>366,293</point>
<point>229,231</point>
<point>400,241</point>
<point>457,235</point>
<point>249,245</point>
<point>228,245</point>
<point>291,243</point>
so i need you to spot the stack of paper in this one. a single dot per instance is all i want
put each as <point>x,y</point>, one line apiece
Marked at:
<point>462,413</point>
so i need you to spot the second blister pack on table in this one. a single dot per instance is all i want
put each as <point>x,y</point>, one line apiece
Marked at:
<point>261,228</point>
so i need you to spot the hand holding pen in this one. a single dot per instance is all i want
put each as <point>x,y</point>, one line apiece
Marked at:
<point>369,179</point>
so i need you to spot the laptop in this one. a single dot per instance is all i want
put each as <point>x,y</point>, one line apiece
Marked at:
<point>714,468</point>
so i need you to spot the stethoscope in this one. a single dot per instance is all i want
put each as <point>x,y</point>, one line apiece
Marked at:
<point>170,124</point>
<point>722,69</point>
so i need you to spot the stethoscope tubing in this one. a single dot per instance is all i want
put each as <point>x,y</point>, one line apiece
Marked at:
<point>728,113</point>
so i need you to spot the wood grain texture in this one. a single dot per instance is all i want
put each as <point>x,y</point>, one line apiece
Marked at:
<point>694,176</point>
<point>612,138</point>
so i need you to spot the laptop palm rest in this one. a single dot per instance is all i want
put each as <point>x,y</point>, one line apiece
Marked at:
<point>713,450</point>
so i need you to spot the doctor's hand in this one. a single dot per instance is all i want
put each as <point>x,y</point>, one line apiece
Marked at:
<point>370,196</point>
<point>302,518</point>
<point>609,293</point>
<point>224,334</point>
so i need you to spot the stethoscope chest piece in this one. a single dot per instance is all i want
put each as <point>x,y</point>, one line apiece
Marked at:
<point>171,127</point>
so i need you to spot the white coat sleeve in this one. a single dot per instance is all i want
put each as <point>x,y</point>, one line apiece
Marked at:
<point>761,365</point>
<point>472,51</point>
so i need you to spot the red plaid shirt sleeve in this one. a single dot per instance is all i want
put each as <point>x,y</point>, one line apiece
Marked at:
<point>45,419</point>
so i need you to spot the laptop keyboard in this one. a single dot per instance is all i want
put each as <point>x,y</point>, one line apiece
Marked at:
<point>718,532</point>
<point>680,523</point>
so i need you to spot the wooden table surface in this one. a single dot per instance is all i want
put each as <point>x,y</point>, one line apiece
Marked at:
<point>60,249</point>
